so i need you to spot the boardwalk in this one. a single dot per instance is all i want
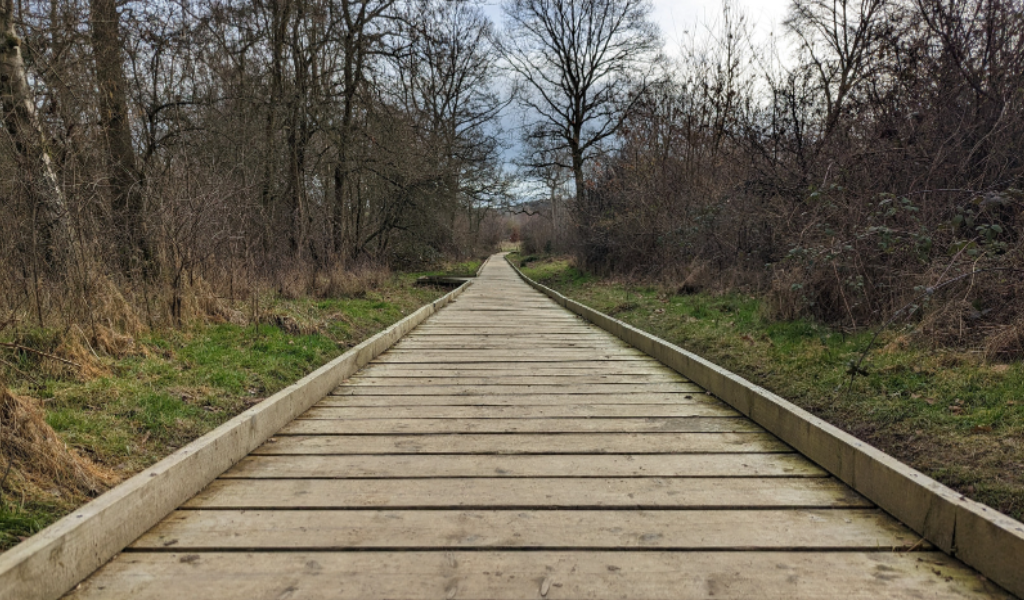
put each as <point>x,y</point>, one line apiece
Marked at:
<point>507,449</point>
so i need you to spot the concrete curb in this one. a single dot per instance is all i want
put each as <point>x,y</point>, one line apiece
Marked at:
<point>53,561</point>
<point>984,538</point>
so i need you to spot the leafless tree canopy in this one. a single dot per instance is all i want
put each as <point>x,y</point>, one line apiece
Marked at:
<point>583,63</point>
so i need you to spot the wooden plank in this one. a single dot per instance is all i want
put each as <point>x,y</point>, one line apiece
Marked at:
<point>551,425</point>
<point>516,399</point>
<point>578,332</point>
<point>581,331</point>
<point>476,465</point>
<point>537,358</point>
<point>692,493</point>
<point>494,575</point>
<point>848,529</point>
<point>507,319</point>
<point>527,443</point>
<point>527,320</point>
<point>507,315</point>
<point>496,345</point>
<point>555,374</point>
<point>507,389</point>
<point>523,353</point>
<point>632,367</point>
<point>643,382</point>
<point>520,305</point>
<point>440,330</point>
<point>519,411</point>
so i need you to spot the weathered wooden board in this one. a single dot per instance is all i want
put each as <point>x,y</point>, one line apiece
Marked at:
<point>443,333</point>
<point>693,493</point>
<point>476,465</point>
<point>509,345</point>
<point>449,333</point>
<point>513,400</point>
<point>500,390</point>
<point>551,425</point>
<point>521,354</point>
<point>849,529</point>
<point>664,381</point>
<point>508,330</point>
<point>519,411</point>
<point>517,575</point>
<point>490,443</point>
<point>632,369</point>
<point>451,357</point>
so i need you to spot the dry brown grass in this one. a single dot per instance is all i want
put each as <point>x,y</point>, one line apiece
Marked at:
<point>37,462</point>
<point>1006,343</point>
<point>341,282</point>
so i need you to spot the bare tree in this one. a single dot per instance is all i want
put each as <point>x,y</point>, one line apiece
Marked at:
<point>21,122</point>
<point>123,176</point>
<point>584,63</point>
<point>838,38</point>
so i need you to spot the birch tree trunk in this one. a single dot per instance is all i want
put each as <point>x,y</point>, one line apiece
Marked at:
<point>20,121</point>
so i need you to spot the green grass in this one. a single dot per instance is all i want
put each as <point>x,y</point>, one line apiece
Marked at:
<point>945,412</point>
<point>183,383</point>
<point>17,522</point>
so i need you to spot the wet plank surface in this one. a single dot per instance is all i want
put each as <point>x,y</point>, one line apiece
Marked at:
<point>507,449</point>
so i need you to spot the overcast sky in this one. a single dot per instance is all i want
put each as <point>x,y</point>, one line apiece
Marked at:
<point>677,18</point>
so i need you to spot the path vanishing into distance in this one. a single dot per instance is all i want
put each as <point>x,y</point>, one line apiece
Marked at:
<point>508,449</point>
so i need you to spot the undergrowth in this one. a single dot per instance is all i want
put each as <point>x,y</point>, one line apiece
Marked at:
<point>120,403</point>
<point>949,413</point>
<point>457,269</point>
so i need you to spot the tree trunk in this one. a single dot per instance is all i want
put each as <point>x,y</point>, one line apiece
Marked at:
<point>19,118</point>
<point>123,178</point>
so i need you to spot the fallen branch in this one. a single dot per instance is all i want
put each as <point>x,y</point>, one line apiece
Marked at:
<point>40,353</point>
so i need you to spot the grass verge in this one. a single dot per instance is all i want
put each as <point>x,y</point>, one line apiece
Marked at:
<point>947,413</point>
<point>169,387</point>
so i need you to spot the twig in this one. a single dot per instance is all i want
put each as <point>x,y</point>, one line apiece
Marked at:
<point>11,365</point>
<point>40,353</point>
<point>10,463</point>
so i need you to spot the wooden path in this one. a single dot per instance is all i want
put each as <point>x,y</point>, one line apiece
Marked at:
<point>507,449</point>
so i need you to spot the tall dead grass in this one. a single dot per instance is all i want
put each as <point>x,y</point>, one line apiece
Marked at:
<point>36,462</point>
